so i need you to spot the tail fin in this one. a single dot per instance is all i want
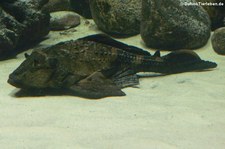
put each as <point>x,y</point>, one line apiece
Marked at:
<point>178,62</point>
<point>184,61</point>
<point>189,66</point>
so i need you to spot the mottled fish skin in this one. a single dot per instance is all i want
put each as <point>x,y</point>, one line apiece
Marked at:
<point>64,65</point>
<point>79,59</point>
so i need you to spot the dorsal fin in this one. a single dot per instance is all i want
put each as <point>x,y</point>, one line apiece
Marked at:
<point>157,54</point>
<point>104,39</point>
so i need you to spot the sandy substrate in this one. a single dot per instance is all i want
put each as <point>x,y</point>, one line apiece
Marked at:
<point>183,111</point>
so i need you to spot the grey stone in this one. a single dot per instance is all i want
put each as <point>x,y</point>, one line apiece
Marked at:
<point>61,20</point>
<point>218,41</point>
<point>117,17</point>
<point>81,7</point>
<point>169,24</point>
<point>216,11</point>
<point>224,21</point>
<point>21,23</point>
<point>58,5</point>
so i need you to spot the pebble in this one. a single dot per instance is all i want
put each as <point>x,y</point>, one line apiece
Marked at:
<point>62,20</point>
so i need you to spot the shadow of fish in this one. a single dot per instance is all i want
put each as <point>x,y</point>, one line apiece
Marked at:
<point>97,66</point>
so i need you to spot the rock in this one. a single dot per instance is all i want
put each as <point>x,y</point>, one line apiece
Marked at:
<point>58,5</point>
<point>218,41</point>
<point>62,20</point>
<point>7,40</point>
<point>117,17</point>
<point>216,13</point>
<point>224,21</point>
<point>169,24</point>
<point>21,23</point>
<point>81,7</point>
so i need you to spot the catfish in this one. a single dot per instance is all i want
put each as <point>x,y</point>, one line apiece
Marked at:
<point>97,66</point>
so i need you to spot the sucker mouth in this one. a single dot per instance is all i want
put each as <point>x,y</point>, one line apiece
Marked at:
<point>14,81</point>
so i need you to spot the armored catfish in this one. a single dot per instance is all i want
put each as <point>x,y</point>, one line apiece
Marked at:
<point>97,66</point>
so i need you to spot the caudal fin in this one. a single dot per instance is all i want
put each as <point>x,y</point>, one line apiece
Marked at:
<point>184,61</point>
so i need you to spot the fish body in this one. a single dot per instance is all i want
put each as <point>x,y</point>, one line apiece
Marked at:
<point>97,66</point>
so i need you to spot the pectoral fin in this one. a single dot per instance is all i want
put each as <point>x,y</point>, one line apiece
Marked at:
<point>96,86</point>
<point>125,78</point>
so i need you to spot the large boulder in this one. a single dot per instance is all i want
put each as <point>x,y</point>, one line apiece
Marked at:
<point>21,23</point>
<point>224,21</point>
<point>216,11</point>
<point>117,17</point>
<point>81,7</point>
<point>171,25</point>
<point>57,5</point>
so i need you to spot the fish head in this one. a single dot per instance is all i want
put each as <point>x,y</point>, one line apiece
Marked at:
<point>34,72</point>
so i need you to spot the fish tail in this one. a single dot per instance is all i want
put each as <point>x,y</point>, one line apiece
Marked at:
<point>176,62</point>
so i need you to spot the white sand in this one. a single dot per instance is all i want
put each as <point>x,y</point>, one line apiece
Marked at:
<point>183,111</point>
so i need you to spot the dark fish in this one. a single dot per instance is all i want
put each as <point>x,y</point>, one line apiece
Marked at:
<point>97,66</point>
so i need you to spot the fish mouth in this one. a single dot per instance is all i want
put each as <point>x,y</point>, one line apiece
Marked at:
<point>15,82</point>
